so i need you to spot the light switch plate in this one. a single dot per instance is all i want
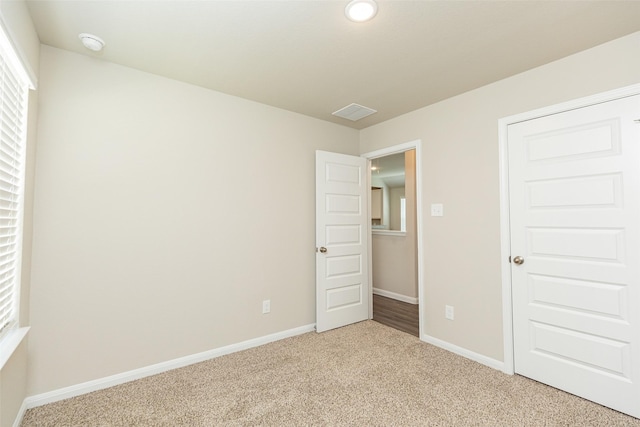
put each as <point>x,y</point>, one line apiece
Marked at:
<point>448,312</point>
<point>437,209</point>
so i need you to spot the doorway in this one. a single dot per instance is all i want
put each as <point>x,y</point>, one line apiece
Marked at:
<point>395,274</point>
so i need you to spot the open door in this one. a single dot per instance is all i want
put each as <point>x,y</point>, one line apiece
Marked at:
<point>342,201</point>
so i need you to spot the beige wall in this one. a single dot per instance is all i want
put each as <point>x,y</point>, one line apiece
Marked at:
<point>140,255</point>
<point>394,258</point>
<point>460,170</point>
<point>13,376</point>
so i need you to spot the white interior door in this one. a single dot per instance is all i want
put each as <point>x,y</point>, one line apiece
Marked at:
<point>574,189</point>
<point>342,283</point>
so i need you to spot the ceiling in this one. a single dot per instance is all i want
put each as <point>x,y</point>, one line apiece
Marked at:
<point>305,56</point>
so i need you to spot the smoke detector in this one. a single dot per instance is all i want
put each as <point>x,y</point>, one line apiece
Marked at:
<point>91,42</point>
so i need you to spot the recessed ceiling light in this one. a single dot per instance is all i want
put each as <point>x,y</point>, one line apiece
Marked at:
<point>91,42</point>
<point>361,10</point>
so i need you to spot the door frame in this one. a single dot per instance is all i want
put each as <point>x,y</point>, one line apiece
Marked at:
<point>505,232</point>
<point>395,149</point>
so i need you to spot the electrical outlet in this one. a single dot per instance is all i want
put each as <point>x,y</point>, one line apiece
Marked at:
<point>266,306</point>
<point>448,312</point>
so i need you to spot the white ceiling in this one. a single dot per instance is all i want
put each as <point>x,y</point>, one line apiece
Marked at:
<point>305,56</point>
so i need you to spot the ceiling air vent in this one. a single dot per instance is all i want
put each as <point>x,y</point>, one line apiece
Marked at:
<point>354,112</point>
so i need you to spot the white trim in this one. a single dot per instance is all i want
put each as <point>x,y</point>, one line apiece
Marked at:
<point>389,233</point>
<point>395,296</point>
<point>505,238</point>
<point>113,380</point>
<point>10,343</point>
<point>401,148</point>
<point>572,105</point>
<point>20,415</point>
<point>476,357</point>
<point>369,244</point>
<point>29,74</point>
<point>505,250</point>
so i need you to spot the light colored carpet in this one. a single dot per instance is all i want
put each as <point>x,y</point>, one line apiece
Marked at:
<point>361,375</point>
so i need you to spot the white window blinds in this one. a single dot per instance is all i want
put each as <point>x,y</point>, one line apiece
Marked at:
<point>13,115</point>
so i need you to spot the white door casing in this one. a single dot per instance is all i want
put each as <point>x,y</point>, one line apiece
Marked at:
<point>395,149</point>
<point>574,210</point>
<point>342,211</point>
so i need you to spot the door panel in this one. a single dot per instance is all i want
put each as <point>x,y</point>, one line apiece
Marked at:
<point>602,191</point>
<point>342,283</point>
<point>574,189</point>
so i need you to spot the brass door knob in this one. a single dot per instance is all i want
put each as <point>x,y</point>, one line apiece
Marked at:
<point>323,250</point>
<point>518,260</point>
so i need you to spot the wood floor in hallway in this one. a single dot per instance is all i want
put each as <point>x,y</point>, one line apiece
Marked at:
<point>396,314</point>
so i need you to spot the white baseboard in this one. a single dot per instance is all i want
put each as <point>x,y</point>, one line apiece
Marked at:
<point>20,415</point>
<point>393,295</point>
<point>476,357</point>
<point>113,380</point>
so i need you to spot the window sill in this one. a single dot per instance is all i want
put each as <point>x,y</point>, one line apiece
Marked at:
<point>10,343</point>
